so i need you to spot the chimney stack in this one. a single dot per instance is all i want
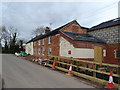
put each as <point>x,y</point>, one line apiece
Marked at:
<point>47,29</point>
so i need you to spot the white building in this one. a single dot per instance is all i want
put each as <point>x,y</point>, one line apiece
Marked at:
<point>29,47</point>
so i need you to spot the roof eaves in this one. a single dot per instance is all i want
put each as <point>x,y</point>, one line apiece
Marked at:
<point>90,41</point>
<point>84,27</point>
<point>63,26</point>
<point>110,23</point>
<point>93,29</point>
<point>47,34</point>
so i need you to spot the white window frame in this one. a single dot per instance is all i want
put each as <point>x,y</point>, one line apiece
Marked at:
<point>42,41</point>
<point>116,54</point>
<point>49,51</point>
<point>49,40</point>
<point>38,51</point>
<point>38,42</point>
<point>43,51</point>
<point>104,52</point>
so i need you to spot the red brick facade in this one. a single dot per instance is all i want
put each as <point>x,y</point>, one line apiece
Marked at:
<point>74,27</point>
<point>54,45</point>
<point>111,53</point>
<point>55,40</point>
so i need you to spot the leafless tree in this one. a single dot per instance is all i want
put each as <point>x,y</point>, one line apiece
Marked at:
<point>8,37</point>
<point>13,34</point>
<point>4,35</point>
<point>38,30</point>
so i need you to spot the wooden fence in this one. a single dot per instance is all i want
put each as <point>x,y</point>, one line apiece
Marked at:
<point>63,64</point>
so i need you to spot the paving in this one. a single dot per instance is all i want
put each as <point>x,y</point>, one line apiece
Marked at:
<point>20,73</point>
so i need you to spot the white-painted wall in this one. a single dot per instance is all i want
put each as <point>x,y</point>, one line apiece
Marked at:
<point>65,46</point>
<point>29,48</point>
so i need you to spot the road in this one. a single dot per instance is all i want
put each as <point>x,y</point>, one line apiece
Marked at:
<point>20,73</point>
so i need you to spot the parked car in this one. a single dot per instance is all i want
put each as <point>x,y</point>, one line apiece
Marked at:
<point>23,53</point>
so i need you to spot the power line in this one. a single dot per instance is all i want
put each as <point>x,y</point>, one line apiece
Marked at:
<point>99,15</point>
<point>100,10</point>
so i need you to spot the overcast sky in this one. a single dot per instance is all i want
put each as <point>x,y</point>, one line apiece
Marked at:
<point>26,16</point>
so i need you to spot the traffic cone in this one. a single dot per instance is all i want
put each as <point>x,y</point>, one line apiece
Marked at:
<point>110,83</point>
<point>70,70</point>
<point>54,64</point>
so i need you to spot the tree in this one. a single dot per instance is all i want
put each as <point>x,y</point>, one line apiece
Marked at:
<point>13,38</point>
<point>4,36</point>
<point>8,36</point>
<point>38,30</point>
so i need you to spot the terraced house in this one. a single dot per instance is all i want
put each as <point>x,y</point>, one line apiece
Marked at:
<point>109,31</point>
<point>73,40</point>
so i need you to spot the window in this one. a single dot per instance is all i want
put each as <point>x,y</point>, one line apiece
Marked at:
<point>43,51</point>
<point>39,42</point>
<point>38,51</point>
<point>49,51</point>
<point>49,40</point>
<point>42,41</point>
<point>117,54</point>
<point>34,51</point>
<point>104,52</point>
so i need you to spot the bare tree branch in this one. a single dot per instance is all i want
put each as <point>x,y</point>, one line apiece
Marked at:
<point>38,30</point>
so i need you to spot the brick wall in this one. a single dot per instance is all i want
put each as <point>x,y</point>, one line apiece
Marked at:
<point>111,53</point>
<point>86,45</point>
<point>110,49</point>
<point>54,46</point>
<point>112,36</point>
<point>74,27</point>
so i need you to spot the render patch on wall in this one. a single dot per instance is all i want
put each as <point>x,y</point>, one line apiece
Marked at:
<point>65,46</point>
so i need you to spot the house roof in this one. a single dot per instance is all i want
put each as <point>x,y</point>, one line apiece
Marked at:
<point>82,37</point>
<point>56,31</point>
<point>34,39</point>
<point>109,23</point>
<point>46,35</point>
<point>70,23</point>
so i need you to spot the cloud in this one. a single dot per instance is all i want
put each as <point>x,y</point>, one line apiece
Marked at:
<point>26,16</point>
<point>1,14</point>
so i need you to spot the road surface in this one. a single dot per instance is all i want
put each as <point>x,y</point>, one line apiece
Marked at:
<point>20,73</point>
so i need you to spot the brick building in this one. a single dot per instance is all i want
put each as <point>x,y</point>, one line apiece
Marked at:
<point>70,40</point>
<point>73,40</point>
<point>110,32</point>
